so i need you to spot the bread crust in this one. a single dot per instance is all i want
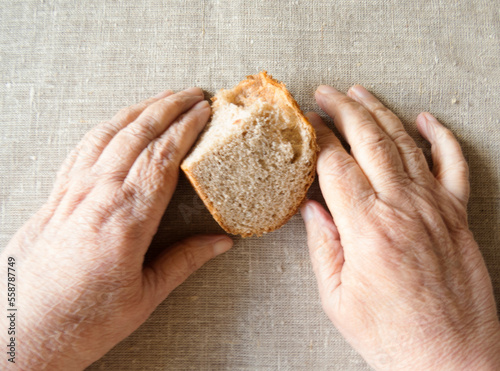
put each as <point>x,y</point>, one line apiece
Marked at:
<point>264,86</point>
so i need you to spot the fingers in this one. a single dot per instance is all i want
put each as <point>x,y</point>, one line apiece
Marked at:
<point>449,164</point>
<point>413,158</point>
<point>373,150</point>
<point>122,151</point>
<point>155,171</point>
<point>93,143</point>
<point>325,250</point>
<point>176,264</point>
<point>343,183</point>
<point>86,153</point>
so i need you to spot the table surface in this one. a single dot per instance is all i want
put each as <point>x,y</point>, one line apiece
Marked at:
<point>65,66</point>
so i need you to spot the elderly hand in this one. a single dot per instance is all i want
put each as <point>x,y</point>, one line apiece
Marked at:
<point>82,284</point>
<point>398,270</point>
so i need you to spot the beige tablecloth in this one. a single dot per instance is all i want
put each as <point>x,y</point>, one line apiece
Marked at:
<point>66,65</point>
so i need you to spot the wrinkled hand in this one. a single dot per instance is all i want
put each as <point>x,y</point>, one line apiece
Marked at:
<point>398,270</point>
<point>82,285</point>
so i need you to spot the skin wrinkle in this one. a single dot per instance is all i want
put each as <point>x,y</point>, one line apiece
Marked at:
<point>93,144</point>
<point>416,166</point>
<point>322,253</point>
<point>399,340</point>
<point>88,304</point>
<point>413,158</point>
<point>144,197</point>
<point>169,149</point>
<point>448,277</point>
<point>108,129</point>
<point>146,132</point>
<point>74,197</point>
<point>158,158</point>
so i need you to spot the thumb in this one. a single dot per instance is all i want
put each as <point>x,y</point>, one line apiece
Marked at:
<point>177,263</point>
<point>327,255</point>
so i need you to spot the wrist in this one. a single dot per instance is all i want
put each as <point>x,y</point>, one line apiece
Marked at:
<point>476,353</point>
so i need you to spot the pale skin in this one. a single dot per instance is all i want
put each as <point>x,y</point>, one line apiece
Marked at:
<point>398,270</point>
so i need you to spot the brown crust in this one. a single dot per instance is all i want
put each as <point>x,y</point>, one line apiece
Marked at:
<point>276,93</point>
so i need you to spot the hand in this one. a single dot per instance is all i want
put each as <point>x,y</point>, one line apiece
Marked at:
<point>82,286</point>
<point>398,270</point>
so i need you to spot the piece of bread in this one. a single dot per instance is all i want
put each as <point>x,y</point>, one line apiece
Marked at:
<point>256,159</point>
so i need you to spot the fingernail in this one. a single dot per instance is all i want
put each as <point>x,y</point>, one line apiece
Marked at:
<point>200,106</point>
<point>360,91</point>
<point>163,94</point>
<point>326,89</point>
<point>307,212</point>
<point>194,91</point>
<point>222,245</point>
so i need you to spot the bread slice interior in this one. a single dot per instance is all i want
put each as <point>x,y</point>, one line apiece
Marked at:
<point>255,160</point>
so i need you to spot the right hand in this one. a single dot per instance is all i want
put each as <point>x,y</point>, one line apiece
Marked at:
<point>398,270</point>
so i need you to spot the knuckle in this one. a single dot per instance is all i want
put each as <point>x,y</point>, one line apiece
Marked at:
<point>146,130</point>
<point>99,136</point>
<point>325,136</point>
<point>166,152</point>
<point>175,102</point>
<point>107,173</point>
<point>141,196</point>
<point>323,251</point>
<point>186,120</point>
<point>164,172</point>
<point>348,105</point>
<point>96,139</point>
<point>128,113</point>
<point>445,135</point>
<point>413,155</point>
<point>392,184</point>
<point>380,110</point>
<point>401,137</point>
<point>190,260</point>
<point>155,176</point>
<point>334,163</point>
<point>372,137</point>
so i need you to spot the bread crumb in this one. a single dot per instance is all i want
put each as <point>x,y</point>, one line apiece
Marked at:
<point>454,101</point>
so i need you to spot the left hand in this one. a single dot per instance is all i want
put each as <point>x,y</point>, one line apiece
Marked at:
<point>82,286</point>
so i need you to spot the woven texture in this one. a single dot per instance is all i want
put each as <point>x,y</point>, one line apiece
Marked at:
<point>65,66</point>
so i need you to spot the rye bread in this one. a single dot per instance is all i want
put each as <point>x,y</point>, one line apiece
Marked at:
<point>256,158</point>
